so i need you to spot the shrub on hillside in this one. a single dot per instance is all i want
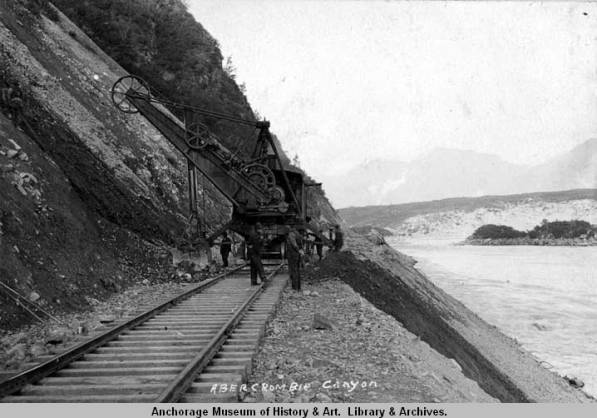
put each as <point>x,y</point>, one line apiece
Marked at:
<point>562,229</point>
<point>491,231</point>
<point>547,230</point>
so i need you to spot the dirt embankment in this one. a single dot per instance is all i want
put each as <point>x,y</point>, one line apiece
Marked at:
<point>55,251</point>
<point>364,355</point>
<point>501,367</point>
<point>402,339</point>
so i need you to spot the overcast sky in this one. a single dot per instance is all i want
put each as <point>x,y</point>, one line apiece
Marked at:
<point>347,82</point>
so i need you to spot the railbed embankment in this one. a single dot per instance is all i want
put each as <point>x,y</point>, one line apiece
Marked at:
<point>423,319</point>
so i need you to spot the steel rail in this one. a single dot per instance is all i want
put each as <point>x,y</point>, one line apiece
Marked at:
<point>185,378</point>
<point>20,299</point>
<point>36,373</point>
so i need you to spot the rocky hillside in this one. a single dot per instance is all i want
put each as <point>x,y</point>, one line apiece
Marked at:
<point>160,41</point>
<point>119,164</point>
<point>456,219</point>
<point>89,196</point>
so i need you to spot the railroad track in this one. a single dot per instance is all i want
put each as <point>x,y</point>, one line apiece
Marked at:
<point>174,352</point>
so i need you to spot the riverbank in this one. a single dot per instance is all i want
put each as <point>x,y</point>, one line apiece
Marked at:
<point>541,296</point>
<point>388,280</point>
<point>555,242</point>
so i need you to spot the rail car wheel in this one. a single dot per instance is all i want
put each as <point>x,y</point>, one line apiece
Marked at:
<point>125,87</point>
<point>197,136</point>
<point>261,176</point>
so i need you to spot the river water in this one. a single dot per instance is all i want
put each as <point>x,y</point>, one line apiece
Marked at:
<point>544,297</point>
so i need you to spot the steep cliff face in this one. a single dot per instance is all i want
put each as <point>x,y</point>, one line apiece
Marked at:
<point>119,164</point>
<point>89,196</point>
<point>160,41</point>
<point>77,177</point>
<point>53,249</point>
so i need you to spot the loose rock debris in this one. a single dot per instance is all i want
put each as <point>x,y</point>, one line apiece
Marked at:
<point>366,356</point>
<point>25,347</point>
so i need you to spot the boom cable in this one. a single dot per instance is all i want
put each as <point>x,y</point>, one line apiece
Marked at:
<point>182,106</point>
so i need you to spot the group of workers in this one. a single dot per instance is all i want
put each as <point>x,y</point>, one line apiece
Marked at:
<point>297,241</point>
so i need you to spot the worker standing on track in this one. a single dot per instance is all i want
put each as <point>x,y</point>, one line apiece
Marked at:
<point>11,102</point>
<point>338,238</point>
<point>225,248</point>
<point>319,244</point>
<point>254,247</point>
<point>294,253</point>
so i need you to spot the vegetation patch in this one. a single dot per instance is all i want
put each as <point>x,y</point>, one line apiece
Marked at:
<point>161,42</point>
<point>547,233</point>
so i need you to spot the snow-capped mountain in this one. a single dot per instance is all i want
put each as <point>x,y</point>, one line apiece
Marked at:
<point>445,173</point>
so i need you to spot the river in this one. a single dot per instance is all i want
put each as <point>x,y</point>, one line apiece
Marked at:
<point>544,297</point>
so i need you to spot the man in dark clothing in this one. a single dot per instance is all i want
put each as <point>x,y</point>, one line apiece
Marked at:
<point>319,244</point>
<point>254,247</point>
<point>11,102</point>
<point>338,238</point>
<point>294,252</point>
<point>225,248</point>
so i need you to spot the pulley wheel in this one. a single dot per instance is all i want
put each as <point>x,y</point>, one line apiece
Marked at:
<point>129,86</point>
<point>263,177</point>
<point>259,180</point>
<point>197,136</point>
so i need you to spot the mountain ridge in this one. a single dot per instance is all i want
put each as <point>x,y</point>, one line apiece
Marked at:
<point>389,215</point>
<point>446,172</point>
